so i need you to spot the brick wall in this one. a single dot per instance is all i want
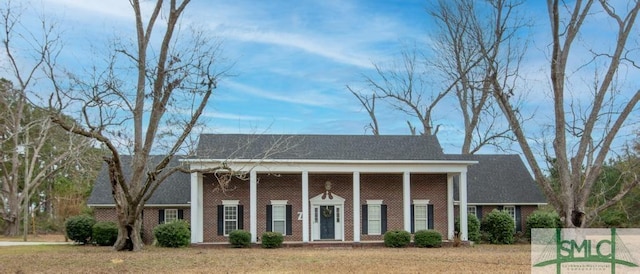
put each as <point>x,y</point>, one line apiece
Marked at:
<point>387,187</point>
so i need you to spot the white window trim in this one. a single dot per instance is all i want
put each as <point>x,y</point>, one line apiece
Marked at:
<point>279,204</point>
<point>166,213</point>
<point>421,202</point>
<point>230,202</point>
<point>504,208</point>
<point>421,219</point>
<point>226,204</point>
<point>377,204</point>
<point>475,210</point>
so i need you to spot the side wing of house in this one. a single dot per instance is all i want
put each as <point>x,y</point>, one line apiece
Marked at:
<point>169,202</point>
<point>502,182</point>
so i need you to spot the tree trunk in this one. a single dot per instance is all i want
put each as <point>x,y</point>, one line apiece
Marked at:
<point>11,227</point>
<point>129,237</point>
<point>12,218</point>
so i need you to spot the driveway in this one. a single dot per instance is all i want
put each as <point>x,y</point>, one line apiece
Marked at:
<point>33,243</point>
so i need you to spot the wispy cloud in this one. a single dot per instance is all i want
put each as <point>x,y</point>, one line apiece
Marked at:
<point>308,98</point>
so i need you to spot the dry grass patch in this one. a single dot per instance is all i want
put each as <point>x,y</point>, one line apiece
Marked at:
<point>90,259</point>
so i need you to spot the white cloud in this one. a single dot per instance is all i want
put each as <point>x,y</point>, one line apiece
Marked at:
<point>307,98</point>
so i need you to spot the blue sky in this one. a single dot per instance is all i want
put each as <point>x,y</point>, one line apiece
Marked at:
<point>293,59</point>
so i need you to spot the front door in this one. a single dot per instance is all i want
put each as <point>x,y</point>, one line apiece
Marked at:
<point>327,222</point>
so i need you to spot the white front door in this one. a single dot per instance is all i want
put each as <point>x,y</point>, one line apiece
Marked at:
<point>327,218</point>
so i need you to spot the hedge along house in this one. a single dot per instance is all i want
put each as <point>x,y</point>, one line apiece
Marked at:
<point>312,188</point>
<point>325,187</point>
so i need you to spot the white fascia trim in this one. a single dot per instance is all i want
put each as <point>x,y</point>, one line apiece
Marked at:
<point>311,161</point>
<point>336,166</point>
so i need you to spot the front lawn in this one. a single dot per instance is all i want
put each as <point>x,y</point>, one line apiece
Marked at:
<point>91,259</point>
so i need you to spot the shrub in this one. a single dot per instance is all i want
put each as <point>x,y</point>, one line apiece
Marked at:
<point>272,239</point>
<point>173,234</point>
<point>499,227</point>
<point>542,219</point>
<point>397,238</point>
<point>105,233</point>
<point>427,238</point>
<point>79,228</point>
<point>473,227</point>
<point>240,238</point>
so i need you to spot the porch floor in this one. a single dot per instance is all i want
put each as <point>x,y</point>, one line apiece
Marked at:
<point>322,244</point>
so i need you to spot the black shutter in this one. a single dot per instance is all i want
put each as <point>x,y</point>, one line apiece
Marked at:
<point>429,216</point>
<point>220,220</point>
<point>269,219</point>
<point>180,214</point>
<point>479,212</point>
<point>500,208</point>
<point>413,221</point>
<point>161,216</point>
<point>289,225</point>
<point>518,219</point>
<point>240,217</point>
<point>383,218</point>
<point>365,220</point>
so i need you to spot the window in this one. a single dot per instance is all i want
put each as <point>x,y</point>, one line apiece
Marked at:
<point>471,210</point>
<point>374,216</point>
<point>422,215</point>
<point>374,219</point>
<point>279,220</point>
<point>512,212</point>
<point>279,217</point>
<point>170,215</point>
<point>230,219</point>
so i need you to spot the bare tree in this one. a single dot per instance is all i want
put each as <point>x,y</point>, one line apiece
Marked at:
<point>404,86</point>
<point>174,75</point>
<point>464,72</point>
<point>369,104</point>
<point>583,131</point>
<point>29,153</point>
<point>465,46</point>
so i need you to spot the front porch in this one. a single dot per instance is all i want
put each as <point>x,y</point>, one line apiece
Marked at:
<point>299,188</point>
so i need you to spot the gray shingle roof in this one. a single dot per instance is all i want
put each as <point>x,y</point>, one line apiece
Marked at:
<point>319,147</point>
<point>500,179</point>
<point>495,179</point>
<point>174,190</point>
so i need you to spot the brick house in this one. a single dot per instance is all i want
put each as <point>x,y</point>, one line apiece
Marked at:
<point>329,187</point>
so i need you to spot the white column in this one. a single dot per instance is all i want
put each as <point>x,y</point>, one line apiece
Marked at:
<point>406,200</point>
<point>305,206</point>
<point>196,208</point>
<point>253,205</point>
<point>356,207</point>
<point>463,206</point>
<point>450,210</point>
